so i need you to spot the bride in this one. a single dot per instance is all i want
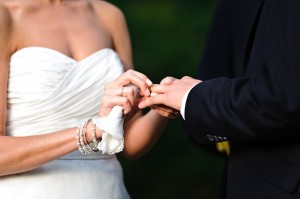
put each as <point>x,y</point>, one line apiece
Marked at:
<point>59,59</point>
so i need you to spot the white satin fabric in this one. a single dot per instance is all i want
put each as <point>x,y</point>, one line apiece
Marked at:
<point>47,92</point>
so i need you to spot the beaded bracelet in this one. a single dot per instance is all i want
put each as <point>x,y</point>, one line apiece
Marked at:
<point>95,141</point>
<point>81,136</point>
<point>88,148</point>
<point>81,131</point>
<point>78,139</point>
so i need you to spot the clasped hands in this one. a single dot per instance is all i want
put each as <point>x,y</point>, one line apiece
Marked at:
<point>134,91</point>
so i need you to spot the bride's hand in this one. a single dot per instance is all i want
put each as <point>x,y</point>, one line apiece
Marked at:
<point>122,92</point>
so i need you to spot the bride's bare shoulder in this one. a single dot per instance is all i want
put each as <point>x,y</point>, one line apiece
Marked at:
<point>8,10</point>
<point>5,19</point>
<point>107,10</point>
<point>4,13</point>
<point>6,27</point>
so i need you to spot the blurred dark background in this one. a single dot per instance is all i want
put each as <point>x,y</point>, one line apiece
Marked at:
<point>168,39</point>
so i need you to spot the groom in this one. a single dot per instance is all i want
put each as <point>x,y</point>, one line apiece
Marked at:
<point>255,105</point>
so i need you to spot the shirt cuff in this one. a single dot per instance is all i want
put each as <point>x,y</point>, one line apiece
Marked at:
<point>183,102</point>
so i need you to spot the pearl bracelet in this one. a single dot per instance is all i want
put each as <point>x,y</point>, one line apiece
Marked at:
<point>95,141</point>
<point>79,139</point>
<point>81,134</point>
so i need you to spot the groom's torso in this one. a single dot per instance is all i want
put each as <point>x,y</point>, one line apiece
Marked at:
<point>242,40</point>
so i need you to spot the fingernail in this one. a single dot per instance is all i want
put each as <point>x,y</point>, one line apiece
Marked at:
<point>152,94</point>
<point>148,82</point>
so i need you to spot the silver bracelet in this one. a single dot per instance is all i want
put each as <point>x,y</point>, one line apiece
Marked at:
<point>94,145</point>
<point>78,142</point>
<point>81,138</point>
<point>90,147</point>
<point>87,147</point>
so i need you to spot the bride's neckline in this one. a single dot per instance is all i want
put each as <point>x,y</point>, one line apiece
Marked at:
<point>60,53</point>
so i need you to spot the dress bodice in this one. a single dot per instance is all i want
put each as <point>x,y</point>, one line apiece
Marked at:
<point>49,91</point>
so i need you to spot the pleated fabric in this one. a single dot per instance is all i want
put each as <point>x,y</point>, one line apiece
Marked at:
<point>47,92</point>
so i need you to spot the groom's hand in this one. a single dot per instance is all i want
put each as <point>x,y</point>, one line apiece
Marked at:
<point>163,109</point>
<point>170,92</point>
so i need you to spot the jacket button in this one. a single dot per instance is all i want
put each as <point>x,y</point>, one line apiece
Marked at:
<point>210,137</point>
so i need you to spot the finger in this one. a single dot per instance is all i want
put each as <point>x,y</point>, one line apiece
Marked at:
<point>164,108</point>
<point>159,111</point>
<point>123,96</point>
<point>167,80</point>
<point>152,87</point>
<point>127,107</point>
<point>152,100</point>
<point>110,101</point>
<point>130,89</point>
<point>115,91</point>
<point>110,85</point>
<point>141,75</point>
<point>158,88</point>
<point>174,115</point>
<point>137,78</point>
<point>190,79</point>
<point>166,114</point>
<point>130,94</point>
<point>106,106</point>
<point>133,89</point>
<point>186,77</point>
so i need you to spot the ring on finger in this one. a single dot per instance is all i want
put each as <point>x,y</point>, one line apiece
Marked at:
<point>122,91</point>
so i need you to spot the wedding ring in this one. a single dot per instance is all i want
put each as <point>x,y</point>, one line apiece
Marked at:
<point>150,88</point>
<point>122,91</point>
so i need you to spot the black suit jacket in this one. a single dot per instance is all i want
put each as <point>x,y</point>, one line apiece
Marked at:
<point>252,97</point>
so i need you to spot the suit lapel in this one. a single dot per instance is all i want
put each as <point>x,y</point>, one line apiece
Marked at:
<point>246,19</point>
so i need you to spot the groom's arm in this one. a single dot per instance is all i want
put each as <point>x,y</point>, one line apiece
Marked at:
<point>244,109</point>
<point>241,109</point>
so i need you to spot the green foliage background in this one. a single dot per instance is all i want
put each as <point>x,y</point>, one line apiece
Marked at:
<point>168,39</point>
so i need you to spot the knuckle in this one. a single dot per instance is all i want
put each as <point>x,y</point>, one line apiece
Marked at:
<point>105,103</point>
<point>125,100</point>
<point>131,90</point>
<point>185,77</point>
<point>129,72</point>
<point>109,84</point>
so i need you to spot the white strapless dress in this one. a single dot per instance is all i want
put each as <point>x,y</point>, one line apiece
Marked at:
<point>49,91</point>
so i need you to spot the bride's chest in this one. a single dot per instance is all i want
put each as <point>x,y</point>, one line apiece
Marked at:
<point>74,31</point>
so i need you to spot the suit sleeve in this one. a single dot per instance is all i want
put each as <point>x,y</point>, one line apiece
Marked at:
<point>265,103</point>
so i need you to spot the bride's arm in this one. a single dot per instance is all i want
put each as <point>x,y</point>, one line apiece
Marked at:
<point>143,130</point>
<point>19,154</point>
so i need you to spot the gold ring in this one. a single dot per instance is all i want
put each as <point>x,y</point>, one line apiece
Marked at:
<point>150,88</point>
<point>122,91</point>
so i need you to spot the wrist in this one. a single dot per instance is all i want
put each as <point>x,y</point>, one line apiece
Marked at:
<point>86,137</point>
<point>90,132</point>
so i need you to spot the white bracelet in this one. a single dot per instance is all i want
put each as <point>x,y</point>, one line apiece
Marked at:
<point>95,142</point>
<point>80,148</point>
<point>79,138</point>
